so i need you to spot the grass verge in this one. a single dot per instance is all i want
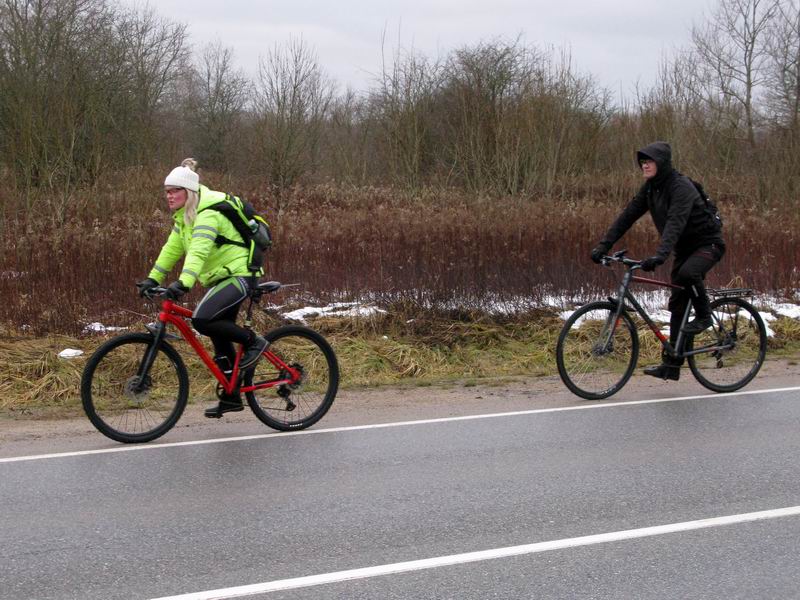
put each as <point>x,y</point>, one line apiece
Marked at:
<point>399,347</point>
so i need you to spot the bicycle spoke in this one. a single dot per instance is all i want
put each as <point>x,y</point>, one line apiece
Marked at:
<point>734,347</point>
<point>125,406</point>
<point>306,398</point>
<point>592,363</point>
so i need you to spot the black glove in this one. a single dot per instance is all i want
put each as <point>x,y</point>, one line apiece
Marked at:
<point>146,285</point>
<point>175,290</point>
<point>599,251</point>
<point>650,263</point>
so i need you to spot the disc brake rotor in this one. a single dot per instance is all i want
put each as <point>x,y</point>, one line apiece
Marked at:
<point>137,389</point>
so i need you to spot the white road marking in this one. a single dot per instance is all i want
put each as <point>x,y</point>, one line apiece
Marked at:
<point>457,559</point>
<point>536,411</point>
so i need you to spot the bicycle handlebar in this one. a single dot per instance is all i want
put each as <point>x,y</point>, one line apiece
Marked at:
<point>154,293</point>
<point>620,257</point>
<point>266,287</point>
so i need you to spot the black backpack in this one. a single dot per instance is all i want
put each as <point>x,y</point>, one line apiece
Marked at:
<point>253,228</point>
<point>711,207</point>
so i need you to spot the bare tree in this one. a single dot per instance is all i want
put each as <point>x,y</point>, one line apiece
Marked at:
<point>78,95</point>
<point>404,101</point>
<point>484,87</point>
<point>216,101</point>
<point>155,54</point>
<point>292,100</point>
<point>513,113</point>
<point>52,104</point>
<point>732,48</point>
<point>348,140</point>
<point>783,80</point>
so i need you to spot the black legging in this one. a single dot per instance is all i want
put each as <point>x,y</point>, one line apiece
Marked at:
<point>215,316</point>
<point>689,272</point>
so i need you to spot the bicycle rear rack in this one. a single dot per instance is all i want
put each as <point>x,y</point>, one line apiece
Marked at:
<point>730,292</point>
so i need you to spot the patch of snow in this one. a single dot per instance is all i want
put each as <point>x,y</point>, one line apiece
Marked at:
<point>660,316</point>
<point>70,353</point>
<point>785,310</point>
<point>100,328</point>
<point>337,309</point>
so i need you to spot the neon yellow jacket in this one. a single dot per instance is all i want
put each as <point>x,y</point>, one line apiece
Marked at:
<point>205,261</point>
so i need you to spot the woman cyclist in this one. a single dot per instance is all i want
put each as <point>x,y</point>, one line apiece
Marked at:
<point>223,268</point>
<point>688,227</point>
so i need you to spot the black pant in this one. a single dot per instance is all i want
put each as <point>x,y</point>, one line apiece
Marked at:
<point>215,316</point>
<point>689,272</point>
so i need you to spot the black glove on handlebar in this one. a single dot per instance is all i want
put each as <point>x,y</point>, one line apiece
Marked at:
<point>175,290</point>
<point>650,263</point>
<point>146,285</point>
<point>599,251</point>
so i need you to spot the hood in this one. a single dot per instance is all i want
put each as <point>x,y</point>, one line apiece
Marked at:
<point>659,152</point>
<point>207,197</point>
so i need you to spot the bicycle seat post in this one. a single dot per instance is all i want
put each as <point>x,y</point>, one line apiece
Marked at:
<point>248,317</point>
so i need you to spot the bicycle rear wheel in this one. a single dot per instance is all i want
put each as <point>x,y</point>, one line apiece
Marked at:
<point>124,406</point>
<point>735,344</point>
<point>294,406</point>
<point>592,364</point>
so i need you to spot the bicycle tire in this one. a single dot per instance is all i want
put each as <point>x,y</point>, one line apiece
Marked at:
<point>115,407</point>
<point>585,372</point>
<point>290,408</point>
<point>738,325</point>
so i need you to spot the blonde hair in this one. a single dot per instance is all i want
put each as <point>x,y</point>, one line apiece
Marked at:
<point>192,198</point>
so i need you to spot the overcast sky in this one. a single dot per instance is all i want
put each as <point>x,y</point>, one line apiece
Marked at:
<point>619,42</point>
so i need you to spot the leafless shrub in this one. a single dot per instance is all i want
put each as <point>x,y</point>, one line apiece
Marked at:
<point>432,250</point>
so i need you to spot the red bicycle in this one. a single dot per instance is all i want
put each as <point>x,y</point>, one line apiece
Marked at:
<point>135,387</point>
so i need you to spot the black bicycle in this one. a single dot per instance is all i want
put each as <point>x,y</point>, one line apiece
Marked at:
<point>598,346</point>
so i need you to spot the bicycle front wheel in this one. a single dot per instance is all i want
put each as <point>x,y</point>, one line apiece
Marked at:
<point>596,352</point>
<point>128,407</point>
<point>299,405</point>
<point>732,350</point>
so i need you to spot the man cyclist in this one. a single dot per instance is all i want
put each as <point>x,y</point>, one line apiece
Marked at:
<point>686,226</point>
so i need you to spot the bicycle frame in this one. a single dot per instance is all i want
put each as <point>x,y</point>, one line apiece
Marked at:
<point>624,295</point>
<point>177,315</point>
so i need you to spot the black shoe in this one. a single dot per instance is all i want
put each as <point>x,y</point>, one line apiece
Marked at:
<point>698,325</point>
<point>253,352</point>
<point>664,372</point>
<point>230,404</point>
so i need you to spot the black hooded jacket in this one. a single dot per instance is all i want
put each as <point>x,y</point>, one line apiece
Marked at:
<point>678,211</point>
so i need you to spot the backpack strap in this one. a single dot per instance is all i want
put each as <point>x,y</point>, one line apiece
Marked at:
<point>238,213</point>
<point>231,208</point>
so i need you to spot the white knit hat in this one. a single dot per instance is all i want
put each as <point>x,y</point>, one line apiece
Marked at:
<point>183,177</point>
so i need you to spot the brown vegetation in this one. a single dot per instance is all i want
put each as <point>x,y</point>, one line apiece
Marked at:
<point>481,177</point>
<point>431,251</point>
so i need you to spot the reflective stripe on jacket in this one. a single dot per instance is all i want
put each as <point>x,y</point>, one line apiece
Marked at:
<point>205,261</point>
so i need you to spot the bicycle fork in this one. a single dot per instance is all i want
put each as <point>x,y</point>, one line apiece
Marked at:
<point>159,330</point>
<point>609,329</point>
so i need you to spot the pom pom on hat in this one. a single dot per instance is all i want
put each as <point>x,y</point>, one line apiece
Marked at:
<point>184,176</point>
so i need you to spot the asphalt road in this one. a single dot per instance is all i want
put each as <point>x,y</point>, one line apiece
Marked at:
<point>165,521</point>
